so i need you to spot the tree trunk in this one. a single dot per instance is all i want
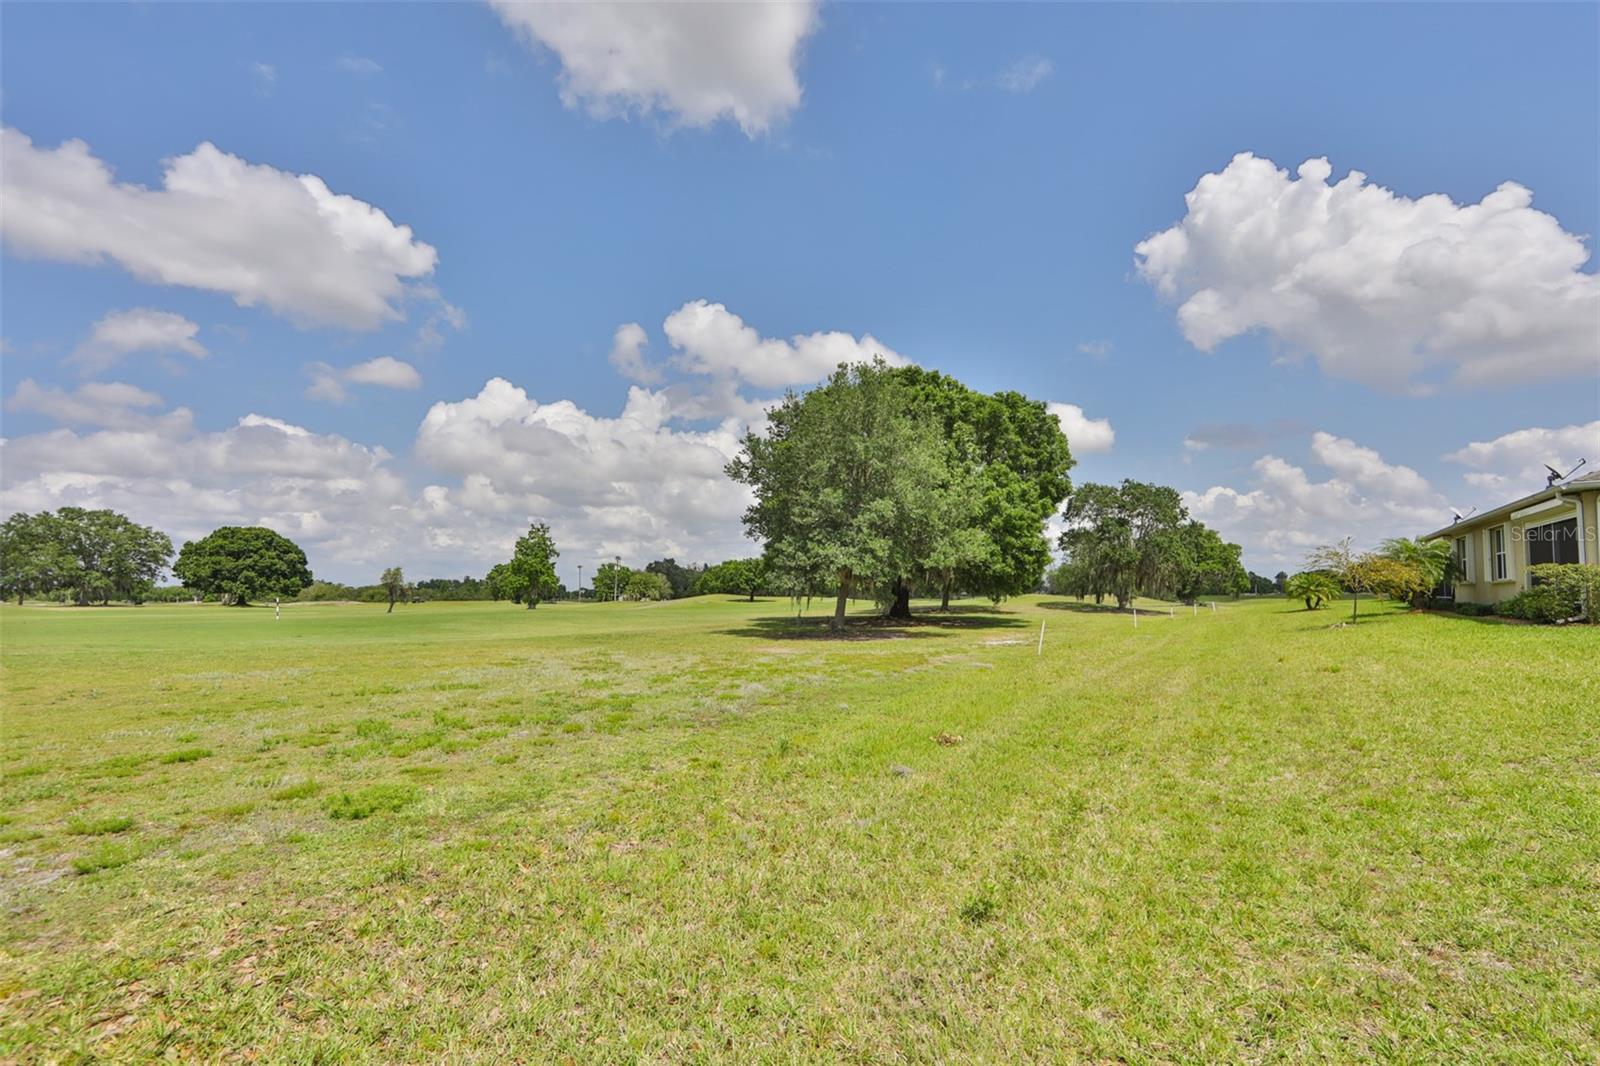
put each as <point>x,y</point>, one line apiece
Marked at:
<point>531,603</point>
<point>391,602</point>
<point>944,600</point>
<point>901,606</point>
<point>837,623</point>
<point>752,595</point>
<point>1355,602</point>
<point>1308,604</point>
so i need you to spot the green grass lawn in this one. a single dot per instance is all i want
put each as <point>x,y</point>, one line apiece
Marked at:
<point>693,831</point>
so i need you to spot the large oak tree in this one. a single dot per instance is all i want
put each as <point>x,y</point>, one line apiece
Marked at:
<point>243,563</point>
<point>883,480</point>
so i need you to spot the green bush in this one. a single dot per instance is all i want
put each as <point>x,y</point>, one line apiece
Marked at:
<point>1540,604</point>
<point>1476,610</point>
<point>1566,590</point>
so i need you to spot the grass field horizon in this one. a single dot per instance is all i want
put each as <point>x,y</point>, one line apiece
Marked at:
<point>689,830</point>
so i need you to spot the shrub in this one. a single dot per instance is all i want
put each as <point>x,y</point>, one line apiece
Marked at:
<point>1315,587</point>
<point>1476,610</point>
<point>1574,589</point>
<point>1563,591</point>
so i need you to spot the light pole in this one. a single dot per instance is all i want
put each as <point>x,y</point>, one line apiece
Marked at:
<point>616,581</point>
<point>580,582</point>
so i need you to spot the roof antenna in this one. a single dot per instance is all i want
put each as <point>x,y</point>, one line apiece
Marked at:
<point>1556,475</point>
<point>1459,516</point>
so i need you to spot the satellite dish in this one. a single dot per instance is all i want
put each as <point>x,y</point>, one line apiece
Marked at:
<point>1556,475</point>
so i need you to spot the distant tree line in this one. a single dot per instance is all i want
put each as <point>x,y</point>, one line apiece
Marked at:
<point>82,555</point>
<point>1137,539</point>
<point>883,482</point>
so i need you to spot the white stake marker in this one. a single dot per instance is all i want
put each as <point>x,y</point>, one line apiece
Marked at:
<point>1041,638</point>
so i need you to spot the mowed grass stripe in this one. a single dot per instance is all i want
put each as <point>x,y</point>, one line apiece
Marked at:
<point>1237,835</point>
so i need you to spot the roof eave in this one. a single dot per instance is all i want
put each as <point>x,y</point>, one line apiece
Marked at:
<point>1499,512</point>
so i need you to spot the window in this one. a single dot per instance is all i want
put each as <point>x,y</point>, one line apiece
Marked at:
<point>1553,542</point>
<point>1497,553</point>
<point>1462,573</point>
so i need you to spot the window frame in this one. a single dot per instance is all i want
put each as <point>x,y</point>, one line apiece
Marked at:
<point>1530,534</point>
<point>1463,558</point>
<point>1499,554</point>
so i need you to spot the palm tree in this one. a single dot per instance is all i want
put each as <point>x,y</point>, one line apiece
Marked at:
<point>1431,557</point>
<point>1313,586</point>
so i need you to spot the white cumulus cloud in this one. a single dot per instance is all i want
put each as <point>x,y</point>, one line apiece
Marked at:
<point>1513,464</point>
<point>112,404</point>
<point>1380,288</point>
<point>693,62</point>
<point>1084,435</point>
<point>328,382</point>
<point>123,333</point>
<point>712,340</point>
<point>253,232</point>
<point>627,354</point>
<point>632,485</point>
<point>338,499</point>
<point>1286,512</point>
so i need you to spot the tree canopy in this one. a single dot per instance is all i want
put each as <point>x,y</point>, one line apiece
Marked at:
<point>96,554</point>
<point>846,482</point>
<point>680,579</point>
<point>882,480</point>
<point>610,581</point>
<point>1008,471</point>
<point>394,585</point>
<point>530,575</point>
<point>243,563</point>
<point>1137,538</point>
<point>740,577</point>
<point>1430,558</point>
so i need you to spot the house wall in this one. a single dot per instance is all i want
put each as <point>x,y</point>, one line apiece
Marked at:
<point>1480,587</point>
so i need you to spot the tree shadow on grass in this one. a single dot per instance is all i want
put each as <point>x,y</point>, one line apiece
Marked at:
<point>928,622</point>
<point>1086,607</point>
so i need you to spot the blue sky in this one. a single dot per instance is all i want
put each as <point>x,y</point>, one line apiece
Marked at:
<point>965,185</point>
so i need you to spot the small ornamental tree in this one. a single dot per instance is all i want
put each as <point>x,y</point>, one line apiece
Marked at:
<point>1408,582</point>
<point>1314,587</point>
<point>1430,558</point>
<point>243,563</point>
<point>394,584</point>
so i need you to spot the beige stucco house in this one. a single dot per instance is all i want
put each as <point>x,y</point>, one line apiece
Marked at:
<point>1494,550</point>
